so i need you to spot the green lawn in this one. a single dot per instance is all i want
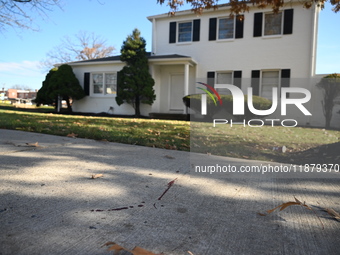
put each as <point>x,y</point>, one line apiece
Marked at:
<point>236,141</point>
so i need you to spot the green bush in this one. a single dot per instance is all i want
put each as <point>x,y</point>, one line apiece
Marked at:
<point>194,102</point>
<point>330,86</point>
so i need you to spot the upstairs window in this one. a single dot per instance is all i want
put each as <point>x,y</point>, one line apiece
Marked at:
<point>225,28</point>
<point>273,24</point>
<point>188,31</point>
<point>185,32</point>
<point>269,24</point>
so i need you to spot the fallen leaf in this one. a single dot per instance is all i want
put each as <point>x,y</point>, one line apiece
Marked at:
<point>282,206</point>
<point>169,186</point>
<point>33,144</point>
<point>73,135</point>
<point>95,176</point>
<point>140,251</point>
<point>169,157</point>
<point>114,247</point>
<point>333,213</point>
<point>135,251</point>
<point>285,205</point>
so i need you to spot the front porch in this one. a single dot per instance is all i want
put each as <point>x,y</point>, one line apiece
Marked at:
<point>174,77</point>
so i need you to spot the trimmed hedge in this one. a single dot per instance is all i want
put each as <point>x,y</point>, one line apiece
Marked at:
<point>194,102</point>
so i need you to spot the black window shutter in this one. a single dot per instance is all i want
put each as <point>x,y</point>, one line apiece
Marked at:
<point>285,77</point>
<point>196,30</point>
<point>87,84</point>
<point>258,24</point>
<point>212,29</point>
<point>288,21</point>
<point>237,78</point>
<point>172,32</point>
<point>118,82</point>
<point>255,82</point>
<point>211,78</point>
<point>239,26</point>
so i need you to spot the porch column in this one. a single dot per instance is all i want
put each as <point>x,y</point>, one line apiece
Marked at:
<point>186,83</point>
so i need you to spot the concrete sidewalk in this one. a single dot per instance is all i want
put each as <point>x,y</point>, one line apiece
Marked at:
<point>50,205</point>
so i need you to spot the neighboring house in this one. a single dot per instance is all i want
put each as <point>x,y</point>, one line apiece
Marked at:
<point>258,49</point>
<point>21,96</point>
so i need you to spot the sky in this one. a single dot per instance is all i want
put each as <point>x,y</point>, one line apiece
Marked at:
<point>22,50</point>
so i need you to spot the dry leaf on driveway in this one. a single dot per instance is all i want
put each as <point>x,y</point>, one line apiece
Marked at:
<point>73,135</point>
<point>333,213</point>
<point>135,251</point>
<point>33,144</point>
<point>296,202</point>
<point>95,176</point>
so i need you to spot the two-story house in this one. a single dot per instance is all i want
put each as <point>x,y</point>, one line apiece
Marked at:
<point>258,49</point>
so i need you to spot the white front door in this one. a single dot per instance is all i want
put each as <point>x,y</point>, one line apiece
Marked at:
<point>176,92</point>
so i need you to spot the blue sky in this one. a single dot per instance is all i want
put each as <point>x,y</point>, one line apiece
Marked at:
<point>114,20</point>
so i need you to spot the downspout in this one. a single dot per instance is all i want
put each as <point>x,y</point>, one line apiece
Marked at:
<point>154,36</point>
<point>314,38</point>
<point>186,83</point>
<point>313,56</point>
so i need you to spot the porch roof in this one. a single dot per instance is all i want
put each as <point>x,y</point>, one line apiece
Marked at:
<point>157,59</point>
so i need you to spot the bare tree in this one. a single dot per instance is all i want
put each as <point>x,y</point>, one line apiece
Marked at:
<point>82,46</point>
<point>16,13</point>
<point>239,6</point>
<point>21,87</point>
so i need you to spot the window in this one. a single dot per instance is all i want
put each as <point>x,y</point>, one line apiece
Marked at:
<point>225,28</point>
<point>185,32</point>
<point>104,83</point>
<point>188,31</point>
<point>263,82</point>
<point>273,24</point>
<point>269,24</point>
<point>270,80</point>
<point>223,78</point>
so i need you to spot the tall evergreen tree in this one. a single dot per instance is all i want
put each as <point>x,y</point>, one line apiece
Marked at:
<point>60,84</point>
<point>43,95</point>
<point>134,83</point>
<point>65,85</point>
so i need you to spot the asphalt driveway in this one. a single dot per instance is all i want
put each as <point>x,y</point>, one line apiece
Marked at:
<point>151,198</point>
